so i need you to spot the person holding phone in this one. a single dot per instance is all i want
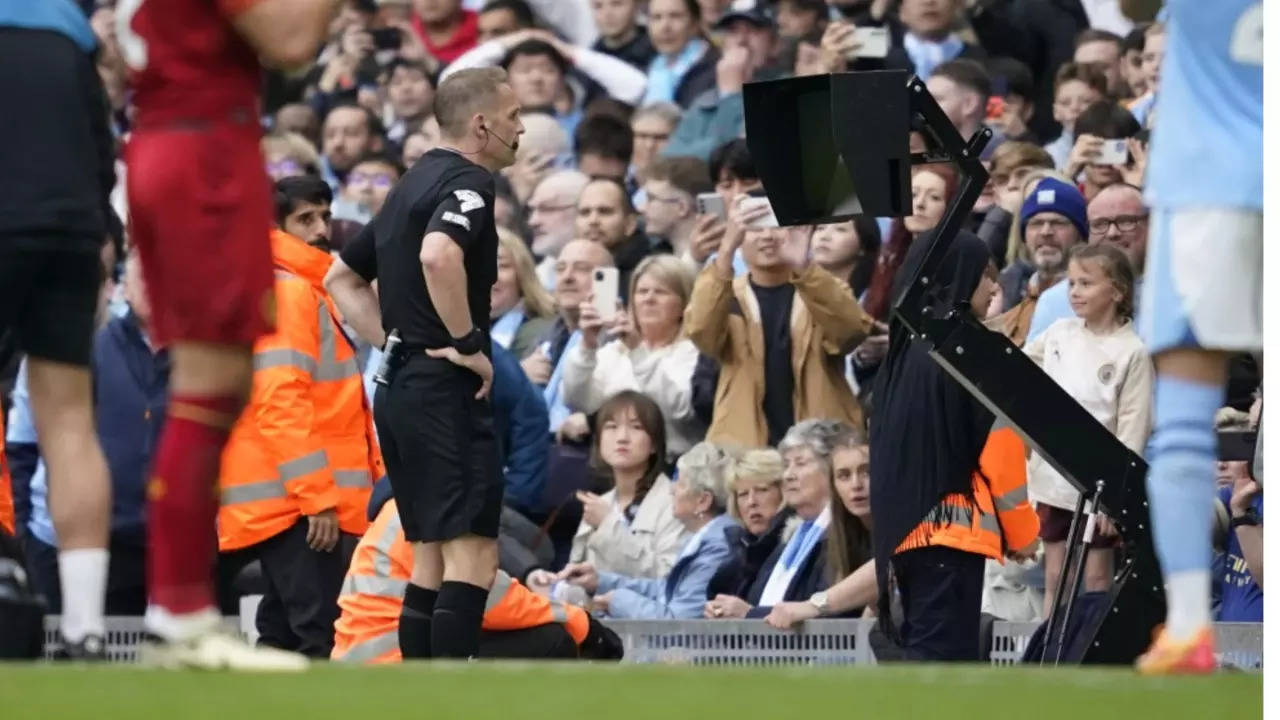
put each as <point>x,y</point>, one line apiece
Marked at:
<point>648,351</point>
<point>781,348</point>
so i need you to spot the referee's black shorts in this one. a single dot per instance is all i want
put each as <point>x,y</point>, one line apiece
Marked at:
<point>440,450</point>
<point>55,173</point>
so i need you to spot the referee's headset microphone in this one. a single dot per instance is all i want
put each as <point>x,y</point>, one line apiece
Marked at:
<point>508,145</point>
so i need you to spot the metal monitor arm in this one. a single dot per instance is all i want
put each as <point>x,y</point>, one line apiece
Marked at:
<point>1109,476</point>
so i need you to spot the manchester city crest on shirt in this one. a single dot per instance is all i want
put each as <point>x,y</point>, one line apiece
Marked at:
<point>1107,373</point>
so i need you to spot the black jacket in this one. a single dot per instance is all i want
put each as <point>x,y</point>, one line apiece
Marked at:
<point>736,576</point>
<point>638,52</point>
<point>1040,33</point>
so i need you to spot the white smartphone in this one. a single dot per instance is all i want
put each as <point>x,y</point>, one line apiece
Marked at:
<point>604,286</point>
<point>873,42</point>
<point>768,220</point>
<point>710,203</point>
<point>1114,152</point>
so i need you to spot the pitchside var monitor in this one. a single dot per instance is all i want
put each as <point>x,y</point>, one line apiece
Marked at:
<point>830,147</point>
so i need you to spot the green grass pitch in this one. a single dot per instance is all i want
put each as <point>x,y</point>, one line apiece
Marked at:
<point>520,691</point>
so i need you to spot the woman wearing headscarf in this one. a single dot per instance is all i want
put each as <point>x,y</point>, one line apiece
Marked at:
<point>948,492</point>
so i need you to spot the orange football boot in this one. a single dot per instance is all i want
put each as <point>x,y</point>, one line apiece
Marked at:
<point>1194,656</point>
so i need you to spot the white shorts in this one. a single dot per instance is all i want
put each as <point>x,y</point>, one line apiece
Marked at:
<point>1203,285</point>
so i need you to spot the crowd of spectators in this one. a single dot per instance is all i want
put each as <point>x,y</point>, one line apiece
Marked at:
<point>705,445</point>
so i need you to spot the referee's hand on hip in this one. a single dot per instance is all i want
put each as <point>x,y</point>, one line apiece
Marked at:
<point>476,363</point>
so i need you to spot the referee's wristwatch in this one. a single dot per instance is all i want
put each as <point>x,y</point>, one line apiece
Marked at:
<point>469,344</point>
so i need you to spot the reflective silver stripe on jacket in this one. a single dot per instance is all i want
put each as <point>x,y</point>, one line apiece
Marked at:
<point>501,583</point>
<point>327,367</point>
<point>1011,499</point>
<point>330,368</point>
<point>284,357</point>
<point>382,558</point>
<point>384,587</point>
<point>374,647</point>
<point>558,613</point>
<point>352,478</point>
<point>275,488</point>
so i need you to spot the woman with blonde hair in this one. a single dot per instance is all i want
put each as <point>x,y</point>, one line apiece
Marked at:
<point>521,309</point>
<point>648,352</point>
<point>755,501</point>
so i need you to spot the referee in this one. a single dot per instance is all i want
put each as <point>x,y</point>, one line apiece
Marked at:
<point>436,249</point>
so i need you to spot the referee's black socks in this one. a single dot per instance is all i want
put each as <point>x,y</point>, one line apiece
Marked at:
<point>415,622</point>
<point>455,625</point>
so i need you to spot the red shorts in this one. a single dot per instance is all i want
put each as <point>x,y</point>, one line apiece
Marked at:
<point>200,214</point>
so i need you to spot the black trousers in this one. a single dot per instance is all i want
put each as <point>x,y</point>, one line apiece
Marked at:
<point>941,591</point>
<point>541,642</point>
<point>126,575</point>
<point>300,600</point>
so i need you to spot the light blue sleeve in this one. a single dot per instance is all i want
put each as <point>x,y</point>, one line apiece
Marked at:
<point>688,597</point>
<point>21,427</point>
<point>645,587</point>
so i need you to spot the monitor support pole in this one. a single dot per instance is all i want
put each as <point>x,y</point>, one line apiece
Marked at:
<point>1109,476</point>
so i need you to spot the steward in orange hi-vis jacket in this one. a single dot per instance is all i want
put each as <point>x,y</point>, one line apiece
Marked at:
<point>518,623</point>
<point>299,467</point>
<point>7,521</point>
<point>947,491</point>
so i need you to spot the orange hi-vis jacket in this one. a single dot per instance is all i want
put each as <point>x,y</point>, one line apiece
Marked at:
<point>999,517</point>
<point>373,593</point>
<point>7,520</point>
<point>305,441</point>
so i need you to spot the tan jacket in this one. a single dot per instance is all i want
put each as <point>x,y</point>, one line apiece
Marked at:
<point>723,320</point>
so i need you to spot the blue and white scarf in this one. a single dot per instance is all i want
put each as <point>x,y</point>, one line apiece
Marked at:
<point>927,55</point>
<point>665,76</point>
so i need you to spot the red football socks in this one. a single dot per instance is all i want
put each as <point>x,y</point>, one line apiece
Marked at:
<point>183,502</point>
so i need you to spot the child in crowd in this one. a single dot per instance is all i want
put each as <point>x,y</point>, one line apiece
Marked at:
<point>1099,360</point>
<point>1075,88</point>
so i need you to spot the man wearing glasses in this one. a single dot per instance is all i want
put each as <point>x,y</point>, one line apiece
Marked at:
<point>366,187</point>
<point>1117,216</point>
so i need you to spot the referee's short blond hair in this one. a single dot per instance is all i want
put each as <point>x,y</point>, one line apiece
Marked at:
<point>463,94</point>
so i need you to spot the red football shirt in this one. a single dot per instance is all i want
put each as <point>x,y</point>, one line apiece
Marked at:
<point>186,59</point>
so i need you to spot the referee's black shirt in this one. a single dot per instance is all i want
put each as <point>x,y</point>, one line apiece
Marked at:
<point>443,192</point>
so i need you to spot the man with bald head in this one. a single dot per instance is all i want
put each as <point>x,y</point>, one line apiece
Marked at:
<point>552,211</point>
<point>574,267</point>
<point>544,148</point>
<point>1117,216</point>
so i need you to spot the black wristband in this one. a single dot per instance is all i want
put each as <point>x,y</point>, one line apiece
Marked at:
<point>469,344</point>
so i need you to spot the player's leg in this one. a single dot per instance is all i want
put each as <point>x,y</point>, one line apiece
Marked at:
<point>200,211</point>
<point>56,329</point>
<point>1202,297</point>
<point>50,285</point>
<point>79,490</point>
<point>208,387</point>
<point>1190,386</point>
